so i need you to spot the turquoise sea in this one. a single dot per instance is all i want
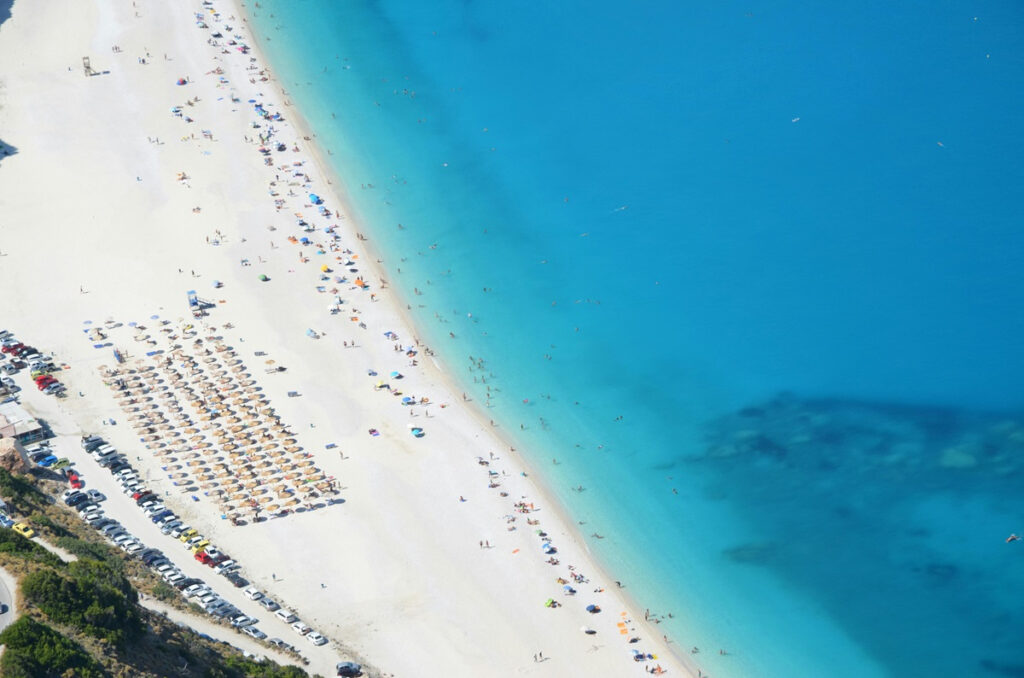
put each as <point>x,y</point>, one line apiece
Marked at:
<point>747,273</point>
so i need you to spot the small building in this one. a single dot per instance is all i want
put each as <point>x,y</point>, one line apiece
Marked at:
<point>18,424</point>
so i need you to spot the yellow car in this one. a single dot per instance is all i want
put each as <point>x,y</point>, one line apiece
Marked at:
<point>188,534</point>
<point>200,546</point>
<point>24,530</point>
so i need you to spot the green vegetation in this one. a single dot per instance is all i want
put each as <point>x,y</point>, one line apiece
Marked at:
<point>42,520</point>
<point>90,597</point>
<point>239,667</point>
<point>165,592</point>
<point>11,542</point>
<point>19,490</point>
<point>34,650</point>
<point>91,550</point>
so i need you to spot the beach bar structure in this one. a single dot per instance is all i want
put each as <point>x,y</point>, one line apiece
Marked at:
<point>19,425</point>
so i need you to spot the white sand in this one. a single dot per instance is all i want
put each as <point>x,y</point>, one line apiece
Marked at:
<point>406,586</point>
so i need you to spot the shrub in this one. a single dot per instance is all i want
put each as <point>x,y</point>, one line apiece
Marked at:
<point>34,650</point>
<point>94,599</point>
<point>10,542</point>
<point>44,520</point>
<point>91,551</point>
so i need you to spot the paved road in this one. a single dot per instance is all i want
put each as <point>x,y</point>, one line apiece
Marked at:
<point>8,585</point>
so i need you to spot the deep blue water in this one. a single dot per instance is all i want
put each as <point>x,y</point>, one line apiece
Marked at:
<point>673,212</point>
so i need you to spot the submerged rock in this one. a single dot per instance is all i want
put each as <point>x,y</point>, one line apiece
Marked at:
<point>956,457</point>
<point>752,554</point>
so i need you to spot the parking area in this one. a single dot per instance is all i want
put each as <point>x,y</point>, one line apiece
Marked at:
<point>135,512</point>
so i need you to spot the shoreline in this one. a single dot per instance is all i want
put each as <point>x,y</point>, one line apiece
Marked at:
<point>543,489</point>
<point>152,291</point>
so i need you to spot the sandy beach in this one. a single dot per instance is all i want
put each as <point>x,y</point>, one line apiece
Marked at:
<point>123,190</point>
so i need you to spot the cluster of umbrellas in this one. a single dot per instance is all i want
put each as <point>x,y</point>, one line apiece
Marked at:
<point>199,410</point>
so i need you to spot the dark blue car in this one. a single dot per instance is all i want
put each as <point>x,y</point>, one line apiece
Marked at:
<point>160,516</point>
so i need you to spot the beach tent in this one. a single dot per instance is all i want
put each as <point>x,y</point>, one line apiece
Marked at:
<point>182,81</point>
<point>315,199</point>
<point>263,277</point>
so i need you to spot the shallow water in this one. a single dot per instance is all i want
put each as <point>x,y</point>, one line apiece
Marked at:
<point>669,213</point>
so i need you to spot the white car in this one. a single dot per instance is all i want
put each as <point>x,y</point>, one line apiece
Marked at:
<point>285,615</point>
<point>226,566</point>
<point>96,495</point>
<point>244,620</point>
<point>316,638</point>
<point>134,548</point>
<point>252,593</point>
<point>254,632</point>
<point>300,628</point>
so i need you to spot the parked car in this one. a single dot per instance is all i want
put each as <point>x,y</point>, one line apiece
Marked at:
<point>269,603</point>
<point>225,567</point>
<point>75,480</point>
<point>179,529</point>
<point>349,669</point>
<point>243,620</point>
<point>168,528</point>
<point>111,461</point>
<point>89,442</point>
<point>24,530</point>
<point>80,498</point>
<point>6,521</point>
<point>252,593</point>
<point>315,638</point>
<point>203,558</point>
<point>96,495</point>
<point>254,632</point>
<point>236,580</point>
<point>300,628</point>
<point>285,615</point>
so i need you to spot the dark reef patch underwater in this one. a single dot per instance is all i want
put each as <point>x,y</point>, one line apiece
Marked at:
<point>894,516</point>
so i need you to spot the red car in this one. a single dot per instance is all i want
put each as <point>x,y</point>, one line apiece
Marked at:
<point>204,558</point>
<point>43,377</point>
<point>11,348</point>
<point>76,480</point>
<point>43,383</point>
